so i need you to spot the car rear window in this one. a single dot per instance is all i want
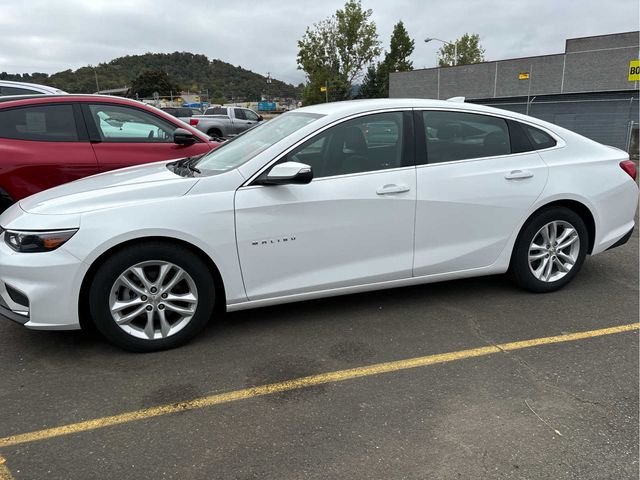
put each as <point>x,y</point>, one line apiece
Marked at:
<point>44,123</point>
<point>216,111</point>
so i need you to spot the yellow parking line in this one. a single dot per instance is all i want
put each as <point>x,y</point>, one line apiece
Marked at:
<point>303,382</point>
<point>5,474</point>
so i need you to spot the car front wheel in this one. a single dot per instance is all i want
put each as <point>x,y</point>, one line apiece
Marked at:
<point>550,250</point>
<point>151,297</point>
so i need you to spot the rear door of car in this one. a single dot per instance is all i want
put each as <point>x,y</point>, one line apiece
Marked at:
<point>43,145</point>
<point>124,135</point>
<point>477,176</point>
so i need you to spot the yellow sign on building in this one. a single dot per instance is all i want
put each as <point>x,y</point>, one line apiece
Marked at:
<point>634,70</point>
<point>323,88</point>
<point>523,76</point>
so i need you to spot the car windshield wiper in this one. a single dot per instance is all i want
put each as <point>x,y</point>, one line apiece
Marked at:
<point>188,163</point>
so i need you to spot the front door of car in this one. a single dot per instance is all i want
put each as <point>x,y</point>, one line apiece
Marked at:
<point>476,181</point>
<point>123,136</point>
<point>240,121</point>
<point>353,224</point>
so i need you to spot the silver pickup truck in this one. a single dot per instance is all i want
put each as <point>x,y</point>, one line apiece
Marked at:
<point>225,122</point>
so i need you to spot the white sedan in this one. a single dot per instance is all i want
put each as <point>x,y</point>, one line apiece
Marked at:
<point>325,200</point>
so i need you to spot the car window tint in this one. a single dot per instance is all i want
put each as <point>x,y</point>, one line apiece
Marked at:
<point>519,139</point>
<point>365,144</point>
<point>184,112</point>
<point>239,114</point>
<point>18,91</point>
<point>45,123</point>
<point>216,111</point>
<point>539,139</point>
<point>251,115</point>
<point>460,136</point>
<point>124,124</point>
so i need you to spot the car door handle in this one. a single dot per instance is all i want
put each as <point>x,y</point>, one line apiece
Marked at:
<point>392,188</point>
<point>518,175</point>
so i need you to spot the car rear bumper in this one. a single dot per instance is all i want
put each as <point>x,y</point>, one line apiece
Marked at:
<point>623,240</point>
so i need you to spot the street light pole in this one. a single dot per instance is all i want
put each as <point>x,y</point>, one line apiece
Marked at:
<point>455,47</point>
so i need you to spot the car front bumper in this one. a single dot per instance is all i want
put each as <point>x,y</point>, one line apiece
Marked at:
<point>40,290</point>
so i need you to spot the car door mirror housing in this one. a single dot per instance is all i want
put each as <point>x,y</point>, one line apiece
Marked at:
<point>182,136</point>
<point>260,118</point>
<point>287,173</point>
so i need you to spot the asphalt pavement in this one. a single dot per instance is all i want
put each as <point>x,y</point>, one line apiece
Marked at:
<point>566,410</point>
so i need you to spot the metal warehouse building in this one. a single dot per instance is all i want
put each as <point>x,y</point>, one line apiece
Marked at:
<point>586,89</point>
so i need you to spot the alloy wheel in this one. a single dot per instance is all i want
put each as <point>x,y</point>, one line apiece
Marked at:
<point>554,251</point>
<point>153,300</point>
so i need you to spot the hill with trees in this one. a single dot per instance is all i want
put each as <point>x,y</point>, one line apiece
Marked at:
<point>187,71</point>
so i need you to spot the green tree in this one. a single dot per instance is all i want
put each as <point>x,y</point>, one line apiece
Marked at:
<point>335,52</point>
<point>469,51</point>
<point>396,59</point>
<point>150,81</point>
<point>376,82</point>
<point>370,87</point>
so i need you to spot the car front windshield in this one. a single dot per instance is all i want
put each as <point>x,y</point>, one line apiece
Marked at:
<point>233,153</point>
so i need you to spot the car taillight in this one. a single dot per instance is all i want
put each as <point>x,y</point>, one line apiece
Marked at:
<point>193,121</point>
<point>629,167</point>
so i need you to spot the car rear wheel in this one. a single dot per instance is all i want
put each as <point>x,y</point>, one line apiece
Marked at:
<point>550,250</point>
<point>151,297</point>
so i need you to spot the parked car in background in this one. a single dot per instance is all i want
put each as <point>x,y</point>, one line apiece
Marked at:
<point>20,88</point>
<point>326,200</point>
<point>181,113</point>
<point>225,122</point>
<point>47,140</point>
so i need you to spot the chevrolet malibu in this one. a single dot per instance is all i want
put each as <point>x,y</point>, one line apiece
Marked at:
<point>325,200</point>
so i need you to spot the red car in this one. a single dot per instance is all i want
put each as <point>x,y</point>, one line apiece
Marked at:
<point>47,140</point>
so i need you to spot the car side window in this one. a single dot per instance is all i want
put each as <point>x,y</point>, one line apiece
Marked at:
<point>539,139</point>
<point>364,144</point>
<point>42,123</point>
<point>455,136</point>
<point>18,91</point>
<point>125,124</point>
<point>251,116</point>
<point>239,114</point>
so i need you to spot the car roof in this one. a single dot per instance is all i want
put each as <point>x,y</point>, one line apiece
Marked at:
<point>336,110</point>
<point>67,97</point>
<point>33,86</point>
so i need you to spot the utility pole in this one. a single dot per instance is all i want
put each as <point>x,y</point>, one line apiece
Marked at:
<point>529,90</point>
<point>326,92</point>
<point>95,72</point>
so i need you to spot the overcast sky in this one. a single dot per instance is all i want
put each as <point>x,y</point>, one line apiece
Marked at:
<point>261,35</point>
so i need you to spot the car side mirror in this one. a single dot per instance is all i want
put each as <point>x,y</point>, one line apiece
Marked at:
<point>260,118</point>
<point>183,137</point>
<point>288,173</point>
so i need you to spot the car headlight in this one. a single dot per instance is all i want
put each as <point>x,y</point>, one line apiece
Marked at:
<point>34,241</point>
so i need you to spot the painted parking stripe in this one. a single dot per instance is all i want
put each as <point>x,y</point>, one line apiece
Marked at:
<point>304,382</point>
<point>5,474</point>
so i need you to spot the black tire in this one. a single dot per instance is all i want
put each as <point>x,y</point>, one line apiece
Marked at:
<point>520,270</point>
<point>107,274</point>
<point>215,133</point>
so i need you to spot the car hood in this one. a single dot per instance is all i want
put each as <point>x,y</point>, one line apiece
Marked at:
<point>138,184</point>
